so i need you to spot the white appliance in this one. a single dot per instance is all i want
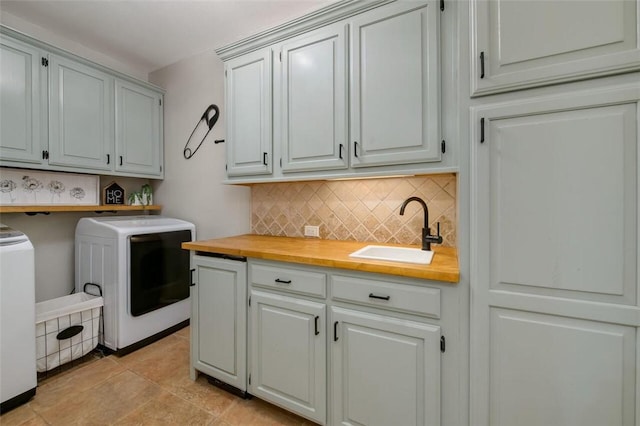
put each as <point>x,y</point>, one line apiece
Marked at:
<point>18,379</point>
<point>143,272</point>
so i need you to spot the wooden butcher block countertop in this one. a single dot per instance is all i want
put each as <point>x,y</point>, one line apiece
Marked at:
<point>330,253</point>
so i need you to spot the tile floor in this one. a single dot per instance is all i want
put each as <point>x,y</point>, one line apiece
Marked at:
<point>150,386</point>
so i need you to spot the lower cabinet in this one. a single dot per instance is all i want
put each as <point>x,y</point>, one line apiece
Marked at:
<point>288,353</point>
<point>384,371</point>
<point>218,320</point>
<point>335,348</point>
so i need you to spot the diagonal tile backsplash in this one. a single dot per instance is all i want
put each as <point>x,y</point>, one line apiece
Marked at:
<point>362,210</point>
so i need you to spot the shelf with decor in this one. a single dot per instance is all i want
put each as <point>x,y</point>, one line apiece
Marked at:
<point>76,208</point>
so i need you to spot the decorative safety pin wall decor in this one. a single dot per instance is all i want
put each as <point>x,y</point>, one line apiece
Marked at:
<point>210,117</point>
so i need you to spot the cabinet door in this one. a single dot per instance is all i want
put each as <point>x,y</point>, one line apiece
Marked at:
<point>218,320</point>
<point>288,353</point>
<point>395,89</point>
<point>550,370</point>
<point>22,96</point>
<point>520,44</point>
<point>384,371</point>
<point>314,99</point>
<point>555,305</point>
<point>249,109</point>
<point>81,115</point>
<point>138,130</point>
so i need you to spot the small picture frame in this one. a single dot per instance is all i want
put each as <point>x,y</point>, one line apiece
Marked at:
<point>113,194</point>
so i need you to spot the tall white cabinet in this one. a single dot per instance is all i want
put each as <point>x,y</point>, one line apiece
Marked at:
<point>554,328</point>
<point>555,290</point>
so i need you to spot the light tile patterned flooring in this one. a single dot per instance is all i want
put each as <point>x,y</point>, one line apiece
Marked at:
<point>150,386</point>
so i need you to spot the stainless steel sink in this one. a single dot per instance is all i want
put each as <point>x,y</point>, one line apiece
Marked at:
<point>394,254</point>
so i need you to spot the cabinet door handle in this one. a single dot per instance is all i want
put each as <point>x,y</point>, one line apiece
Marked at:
<point>121,160</point>
<point>335,331</point>
<point>340,151</point>
<point>278,280</point>
<point>481,64</point>
<point>355,149</point>
<point>191,278</point>
<point>108,158</point>
<point>264,158</point>
<point>375,296</point>
<point>316,324</point>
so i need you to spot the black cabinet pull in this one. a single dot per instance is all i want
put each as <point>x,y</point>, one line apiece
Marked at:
<point>45,155</point>
<point>316,324</point>
<point>355,149</point>
<point>108,158</point>
<point>340,151</point>
<point>481,64</point>
<point>264,158</point>
<point>375,296</point>
<point>482,130</point>
<point>335,331</point>
<point>278,280</point>
<point>191,277</point>
<point>121,160</point>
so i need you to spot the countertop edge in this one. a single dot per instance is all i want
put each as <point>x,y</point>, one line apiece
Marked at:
<point>381,267</point>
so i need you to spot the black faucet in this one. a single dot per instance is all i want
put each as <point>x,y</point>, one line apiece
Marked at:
<point>427,238</point>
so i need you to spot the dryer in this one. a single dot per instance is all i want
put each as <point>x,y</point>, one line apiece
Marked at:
<point>143,272</point>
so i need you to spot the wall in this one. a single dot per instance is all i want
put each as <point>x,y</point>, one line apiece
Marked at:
<point>361,210</point>
<point>192,189</point>
<point>52,237</point>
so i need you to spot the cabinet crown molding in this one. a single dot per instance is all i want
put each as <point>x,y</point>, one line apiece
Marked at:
<point>315,19</point>
<point>49,48</point>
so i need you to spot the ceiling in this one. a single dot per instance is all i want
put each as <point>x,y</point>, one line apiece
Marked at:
<point>151,34</point>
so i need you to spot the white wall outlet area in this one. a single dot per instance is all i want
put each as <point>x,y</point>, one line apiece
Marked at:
<point>311,231</point>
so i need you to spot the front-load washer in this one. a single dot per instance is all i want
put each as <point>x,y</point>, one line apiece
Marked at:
<point>17,319</point>
<point>143,272</point>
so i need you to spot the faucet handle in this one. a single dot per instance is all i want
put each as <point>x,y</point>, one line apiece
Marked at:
<point>436,239</point>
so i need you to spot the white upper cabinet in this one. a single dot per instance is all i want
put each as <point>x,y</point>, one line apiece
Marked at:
<point>138,129</point>
<point>356,92</point>
<point>395,85</point>
<point>520,44</point>
<point>21,102</point>
<point>248,95</point>
<point>81,117</point>
<point>61,112</point>
<point>314,100</point>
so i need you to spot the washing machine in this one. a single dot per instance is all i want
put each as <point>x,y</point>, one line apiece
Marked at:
<point>18,379</point>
